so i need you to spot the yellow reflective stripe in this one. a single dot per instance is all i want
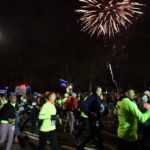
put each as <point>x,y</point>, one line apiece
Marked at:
<point>84,115</point>
<point>4,121</point>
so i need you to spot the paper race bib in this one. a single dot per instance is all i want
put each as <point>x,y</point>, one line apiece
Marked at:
<point>34,103</point>
<point>53,123</point>
<point>13,128</point>
<point>21,108</point>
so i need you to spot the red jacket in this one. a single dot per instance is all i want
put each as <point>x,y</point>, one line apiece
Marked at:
<point>71,103</point>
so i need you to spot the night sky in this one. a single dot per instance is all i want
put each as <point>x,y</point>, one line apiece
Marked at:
<point>41,42</point>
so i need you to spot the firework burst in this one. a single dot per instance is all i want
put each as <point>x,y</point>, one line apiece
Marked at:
<point>108,17</point>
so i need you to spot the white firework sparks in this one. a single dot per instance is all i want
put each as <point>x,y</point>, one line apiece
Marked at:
<point>108,17</point>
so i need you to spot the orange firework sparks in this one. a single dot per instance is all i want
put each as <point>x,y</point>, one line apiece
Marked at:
<point>108,17</point>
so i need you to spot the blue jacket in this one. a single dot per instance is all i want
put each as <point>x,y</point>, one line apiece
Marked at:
<point>91,104</point>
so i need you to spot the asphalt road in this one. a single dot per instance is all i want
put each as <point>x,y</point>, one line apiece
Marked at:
<point>29,141</point>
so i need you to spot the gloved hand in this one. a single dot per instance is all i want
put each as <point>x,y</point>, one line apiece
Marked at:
<point>147,106</point>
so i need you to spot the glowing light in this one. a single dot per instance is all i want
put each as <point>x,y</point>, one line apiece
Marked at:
<point>23,86</point>
<point>108,17</point>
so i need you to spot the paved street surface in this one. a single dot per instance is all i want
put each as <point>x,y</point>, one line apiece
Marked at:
<point>29,141</point>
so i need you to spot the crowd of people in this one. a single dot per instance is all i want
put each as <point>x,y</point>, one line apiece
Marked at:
<point>44,113</point>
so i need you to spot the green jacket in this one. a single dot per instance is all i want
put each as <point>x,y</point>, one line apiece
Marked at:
<point>129,115</point>
<point>45,114</point>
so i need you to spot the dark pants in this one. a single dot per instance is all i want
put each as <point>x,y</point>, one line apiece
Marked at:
<point>94,133</point>
<point>51,136</point>
<point>33,118</point>
<point>146,136</point>
<point>84,126</point>
<point>126,145</point>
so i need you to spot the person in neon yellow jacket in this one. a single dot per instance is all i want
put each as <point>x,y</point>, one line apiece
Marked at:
<point>48,118</point>
<point>129,115</point>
